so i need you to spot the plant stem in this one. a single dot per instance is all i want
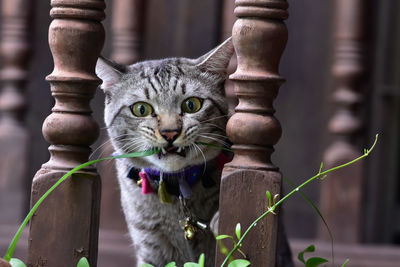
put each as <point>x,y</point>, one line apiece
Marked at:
<point>271,209</point>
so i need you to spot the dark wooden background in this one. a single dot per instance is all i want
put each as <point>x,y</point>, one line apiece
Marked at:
<point>191,28</point>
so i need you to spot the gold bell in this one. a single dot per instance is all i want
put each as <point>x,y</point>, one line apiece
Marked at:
<point>139,182</point>
<point>190,231</point>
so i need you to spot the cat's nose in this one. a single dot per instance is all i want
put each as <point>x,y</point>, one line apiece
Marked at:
<point>170,134</point>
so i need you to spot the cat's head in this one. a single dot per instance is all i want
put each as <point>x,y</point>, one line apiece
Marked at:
<point>169,104</point>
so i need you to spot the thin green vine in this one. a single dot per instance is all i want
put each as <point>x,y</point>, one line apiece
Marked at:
<point>320,175</point>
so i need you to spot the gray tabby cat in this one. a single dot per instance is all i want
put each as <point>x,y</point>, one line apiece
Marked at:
<point>170,104</point>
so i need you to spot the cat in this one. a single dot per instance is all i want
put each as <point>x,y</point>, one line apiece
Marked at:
<point>173,105</point>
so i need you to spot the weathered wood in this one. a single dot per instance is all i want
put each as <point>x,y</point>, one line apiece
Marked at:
<point>259,36</point>
<point>127,32</point>
<point>4,263</point>
<point>341,194</point>
<point>14,137</point>
<point>68,219</point>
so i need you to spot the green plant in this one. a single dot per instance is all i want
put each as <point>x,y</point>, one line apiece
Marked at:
<point>314,261</point>
<point>273,204</point>
<point>10,251</point>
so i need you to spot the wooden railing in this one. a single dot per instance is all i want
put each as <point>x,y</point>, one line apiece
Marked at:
<point>65,228</point>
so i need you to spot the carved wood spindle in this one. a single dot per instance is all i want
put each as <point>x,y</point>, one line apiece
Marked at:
<point>14,52</point>
<point>127,27</point>
<point>341,193</point>
<point>65,227</point>
<point>259,36</point>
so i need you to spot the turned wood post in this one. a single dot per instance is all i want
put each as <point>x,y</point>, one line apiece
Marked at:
<point>259,36</point>
<point>127,30</point>
<point>15,54</point>
<point>65,227</point>
<point>341,192</point>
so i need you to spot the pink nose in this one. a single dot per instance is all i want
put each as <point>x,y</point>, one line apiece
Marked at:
<point>170,135</point>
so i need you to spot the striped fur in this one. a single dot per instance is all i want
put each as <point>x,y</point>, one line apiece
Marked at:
<point>165,84</point>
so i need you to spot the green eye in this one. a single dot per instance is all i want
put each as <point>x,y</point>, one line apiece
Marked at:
<point>141,109</point>
<point>191,105</point>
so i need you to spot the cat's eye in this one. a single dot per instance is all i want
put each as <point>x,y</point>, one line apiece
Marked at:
<point>141,109</point>
<point>191,105</point>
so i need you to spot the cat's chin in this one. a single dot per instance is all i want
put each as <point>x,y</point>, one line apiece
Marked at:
<point>172,162</point>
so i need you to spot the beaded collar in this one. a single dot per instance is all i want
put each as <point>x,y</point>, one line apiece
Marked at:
<point>179,183</point>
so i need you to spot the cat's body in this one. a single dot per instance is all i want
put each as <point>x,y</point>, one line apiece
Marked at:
<point>172,105</point>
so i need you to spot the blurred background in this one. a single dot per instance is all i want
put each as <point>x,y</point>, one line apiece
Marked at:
<point>342,74</point>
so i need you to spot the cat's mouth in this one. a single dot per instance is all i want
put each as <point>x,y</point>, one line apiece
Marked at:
<point>172,150</point>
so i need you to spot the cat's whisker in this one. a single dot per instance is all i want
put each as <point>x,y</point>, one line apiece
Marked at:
<point>214,139</point>
<point>215,134</point>
<point>204,157</point>
<point>214,125</point>
<point>215,118</point>
<point>105,143</point>
<point>135,146</point>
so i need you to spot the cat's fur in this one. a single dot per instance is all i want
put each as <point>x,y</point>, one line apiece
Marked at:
<point>154,227</point>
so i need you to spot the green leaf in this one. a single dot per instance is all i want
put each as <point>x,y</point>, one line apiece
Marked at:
<point>17,263</point>
<point>171,264</point>
<point>269,197</point>
<point>320,167</point>
<point>202,259</point>
<point>315,261</point>
<point>238,231</point>
<point>345,262</point>
<point>83,262</point>
<point>220,237</point>
<point>300,256</point>
<point>146,265</point>
<point>190,264</point>
<point>239,263</point>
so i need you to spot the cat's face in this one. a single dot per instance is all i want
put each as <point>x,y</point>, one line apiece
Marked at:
<point>171,104</point>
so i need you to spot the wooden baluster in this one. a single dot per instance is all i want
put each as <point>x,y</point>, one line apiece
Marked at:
<point>127,26</point>
<point>341,193</point>
<point>259,36</point>
<point>127,31</point>
<point>65,227</point>
<point>14,137</point>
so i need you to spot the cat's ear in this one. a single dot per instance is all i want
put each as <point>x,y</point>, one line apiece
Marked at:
<point>217,60</point>
<point>109,71</point>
